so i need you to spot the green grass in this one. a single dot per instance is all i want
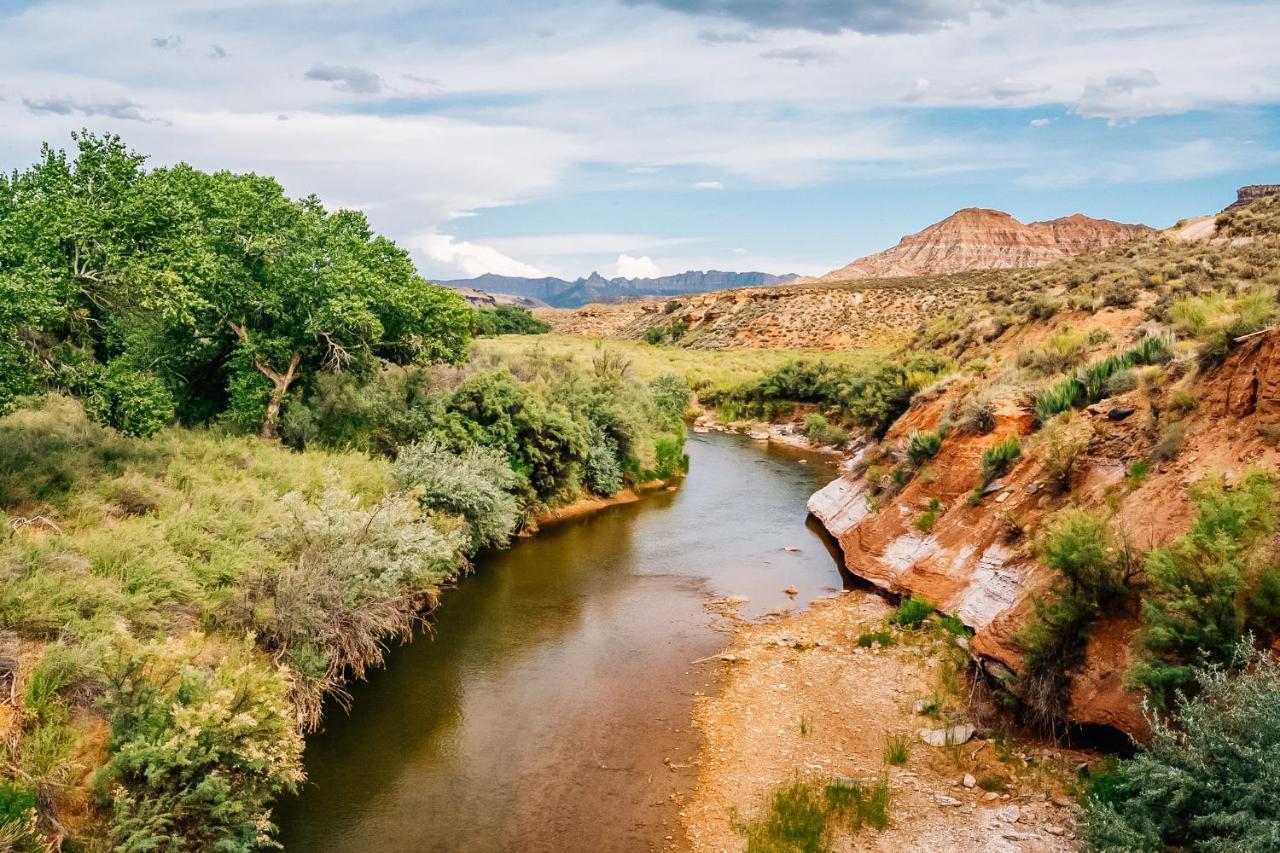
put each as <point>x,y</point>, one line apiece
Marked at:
<point>999,458</point>
<point>911,612</point>
<point>897,749</point>
<point>714,370</point>
<point>800,817</point>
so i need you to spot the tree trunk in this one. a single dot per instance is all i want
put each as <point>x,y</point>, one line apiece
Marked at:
<point>280,383</point>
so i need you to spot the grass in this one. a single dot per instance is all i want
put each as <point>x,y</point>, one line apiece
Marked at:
<point>800,817</point>
<point>715,370</point>
<point>882,637</point>
<point>999,458</point>
<point>912,612</point>
<point>897,749</point>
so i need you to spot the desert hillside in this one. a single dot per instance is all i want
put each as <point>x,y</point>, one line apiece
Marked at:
<point>977,238</point>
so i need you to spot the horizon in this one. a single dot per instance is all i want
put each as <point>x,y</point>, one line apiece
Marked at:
<point>646,138</point>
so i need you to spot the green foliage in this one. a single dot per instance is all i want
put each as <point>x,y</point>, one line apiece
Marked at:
<point>131,400</point>
<point>911,612</point>
<point>350,578</point>
<point>1210,585</point>
<point>672,395</point>
<point>999,458</point>
<point>201,741</point>
<point>1206,782</point>
<point>476,484</point>
<point>870,397</point>
<point>1089,384</point>
<point>507,320</point>
<point>897,749</point>
<point>1216,318</point>
<point>922,446</point>
<point>105,267</point>
<point>1093,575</point>
<point>799,816</point>
<point>819,429</point>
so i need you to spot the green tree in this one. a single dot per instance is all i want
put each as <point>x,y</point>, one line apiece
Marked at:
<point>276,288</point>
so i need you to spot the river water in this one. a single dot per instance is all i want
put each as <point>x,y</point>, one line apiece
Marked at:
<point>549,707</point>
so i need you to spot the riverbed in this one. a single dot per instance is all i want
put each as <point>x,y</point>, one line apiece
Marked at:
<point>549,707</point>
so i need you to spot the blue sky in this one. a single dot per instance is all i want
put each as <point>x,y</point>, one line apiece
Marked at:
<point>653,136</point>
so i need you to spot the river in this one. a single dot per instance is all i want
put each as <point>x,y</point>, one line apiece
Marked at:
<point>549,707</point>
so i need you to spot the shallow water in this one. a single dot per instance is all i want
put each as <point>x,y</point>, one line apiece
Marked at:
<point>549,709</point>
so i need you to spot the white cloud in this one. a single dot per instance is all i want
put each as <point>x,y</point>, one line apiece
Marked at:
<point>708,185</point>
<point>1040,122</point>
<point>473,259</point>
<point>642,267</point>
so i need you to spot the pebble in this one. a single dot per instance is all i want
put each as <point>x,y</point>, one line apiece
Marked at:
<point>990,797</point>
<point>968,781</point>
<point>1055,830</point>
<point>1009,814</point>
<point>944,800</point>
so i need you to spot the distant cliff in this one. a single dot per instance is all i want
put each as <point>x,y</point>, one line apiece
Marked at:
<point>980,239</point>
<point>560,293</point>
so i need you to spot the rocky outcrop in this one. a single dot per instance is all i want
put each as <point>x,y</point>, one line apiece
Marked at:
<point>979,562</point>
<point>977,238</point>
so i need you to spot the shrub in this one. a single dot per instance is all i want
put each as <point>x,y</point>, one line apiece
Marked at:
<point>133,401</point>
<point>671,459</point>
<point>655,335</point>
<point>926,521</point>
<point>1209,585</point>
<point>350,579</point>
<point>1056,354</point>
<point>201,741</point>
<point>1204,782</point>
<point>1093,574</point>
<point>819,429</point>
<point>999,457</point>
<point>795,822</point>
<point>1215,319</point>
<point>476,484</point>
<point>507,320</point>
<point>672,396</point>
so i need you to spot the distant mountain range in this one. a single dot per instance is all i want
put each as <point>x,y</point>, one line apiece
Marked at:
<point>559,293</point>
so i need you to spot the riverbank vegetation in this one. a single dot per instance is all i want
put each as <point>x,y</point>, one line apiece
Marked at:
<point>244,448</point>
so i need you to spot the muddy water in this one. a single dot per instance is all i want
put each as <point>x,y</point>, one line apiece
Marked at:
<point>550,709</point>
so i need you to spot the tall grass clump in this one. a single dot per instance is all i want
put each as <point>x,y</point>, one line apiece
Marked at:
<point>999,458</point>
<point>1089,383</point>
<point>476,484</point>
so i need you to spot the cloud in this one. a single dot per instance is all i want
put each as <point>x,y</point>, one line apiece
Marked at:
<point>803,55</point>
<point>642,267</point>
<point>1040,122</point>
<point>718,37</point>
<point>473,259</point>
<point>166,42</point>
<point>1125,95</point>
<point>122,109</point>
<point>708,185</point>
<point>217,51</point>
<point>348,78</point>
<point>871,17</point>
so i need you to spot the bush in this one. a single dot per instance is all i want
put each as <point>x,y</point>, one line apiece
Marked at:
<point>350,579</point>
<point>476,484</point>
<point>1210,585</point>
<point>201,741</point>
<point>999,457</point>
<point>819,429</point>
<point>1089,384</point>
<point>1206,782</point>
<point>507,320</point>
<point>122,396</point>
<point>1093,575</point>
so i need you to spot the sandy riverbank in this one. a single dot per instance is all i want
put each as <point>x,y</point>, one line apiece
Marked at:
<point>801,700</point>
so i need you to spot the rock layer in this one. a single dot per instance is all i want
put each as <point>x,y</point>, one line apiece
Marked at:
<point>977,238</point>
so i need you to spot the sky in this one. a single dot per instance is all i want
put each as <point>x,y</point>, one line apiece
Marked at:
<point>647,137</point>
